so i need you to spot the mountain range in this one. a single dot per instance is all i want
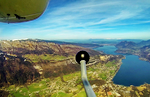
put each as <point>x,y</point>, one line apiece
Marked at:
<point>22,47</point>
<point>142,49</point>
<point>23,61</point>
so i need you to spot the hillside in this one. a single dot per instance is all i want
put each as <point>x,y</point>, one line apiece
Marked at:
<point>22,47</point>
<point>25,77</point>
<point>142,49</point>
<point>37,68</point>
<point>144,43</point>
<point>33,59</point>
<point>125,44</point>
<point>14,70</point>
<point>24,62</point>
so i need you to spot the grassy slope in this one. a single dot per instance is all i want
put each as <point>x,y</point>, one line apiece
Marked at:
<point>46,57</point>
<point>44,88</point>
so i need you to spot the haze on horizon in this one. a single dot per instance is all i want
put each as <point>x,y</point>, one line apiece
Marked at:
<point>85,19</point>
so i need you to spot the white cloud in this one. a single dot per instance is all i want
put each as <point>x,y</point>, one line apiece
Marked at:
<point>66,20</point>
<point>121,16</point>
<point>86,19</point>
<point>93,12</point>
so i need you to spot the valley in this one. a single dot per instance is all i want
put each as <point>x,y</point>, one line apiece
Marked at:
<point>46,69</point>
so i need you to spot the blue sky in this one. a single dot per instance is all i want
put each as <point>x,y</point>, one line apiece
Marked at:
<point>85,19</point>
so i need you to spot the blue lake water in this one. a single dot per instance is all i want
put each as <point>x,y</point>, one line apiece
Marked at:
<point>132,71</point>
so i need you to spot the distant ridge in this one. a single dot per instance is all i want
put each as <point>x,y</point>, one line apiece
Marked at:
<point>87,45</point>
<point>141,49</point>
<point>30,46</point>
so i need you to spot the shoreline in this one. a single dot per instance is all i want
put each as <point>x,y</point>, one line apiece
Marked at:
<point>140,58</point>
<point>119,65</point>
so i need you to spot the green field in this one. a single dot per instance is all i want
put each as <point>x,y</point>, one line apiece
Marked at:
<point>44,57</point>
<point>71,86</point>
<point>41,89</point>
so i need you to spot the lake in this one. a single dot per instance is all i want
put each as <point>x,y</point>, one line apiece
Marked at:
<point>132,71</point>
